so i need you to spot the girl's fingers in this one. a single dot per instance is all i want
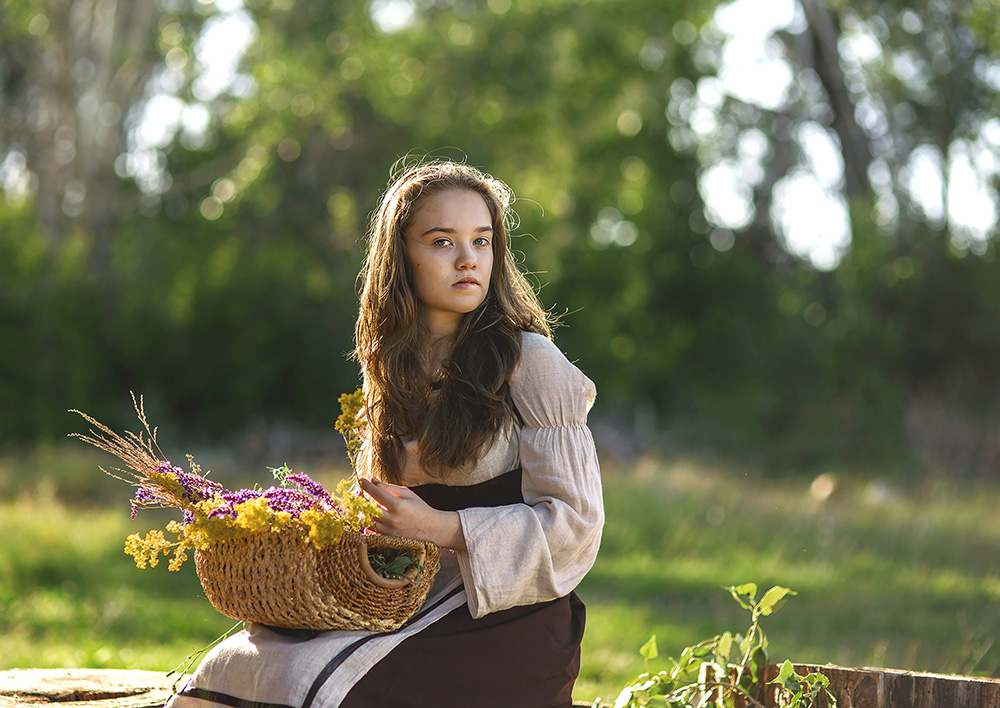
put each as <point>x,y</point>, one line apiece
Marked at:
<point>374,491</point>
<point>383,493</point>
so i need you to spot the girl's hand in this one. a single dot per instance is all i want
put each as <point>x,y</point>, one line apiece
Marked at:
<point>406,514</point>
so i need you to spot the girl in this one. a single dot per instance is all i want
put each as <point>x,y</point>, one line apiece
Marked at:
<point>478,443</point>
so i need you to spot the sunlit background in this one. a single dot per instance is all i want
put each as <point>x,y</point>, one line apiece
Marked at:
<point>769,227</point>
<point>745,208</point>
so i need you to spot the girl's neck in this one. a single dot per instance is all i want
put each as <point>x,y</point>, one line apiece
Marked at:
<point>439,327</point>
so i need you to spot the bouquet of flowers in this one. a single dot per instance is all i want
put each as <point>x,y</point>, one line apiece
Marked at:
<point>292,555</point>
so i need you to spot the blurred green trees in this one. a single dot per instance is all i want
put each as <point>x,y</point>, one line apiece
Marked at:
<point>210,265</point>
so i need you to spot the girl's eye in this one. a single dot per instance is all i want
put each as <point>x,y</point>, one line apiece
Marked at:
<point>441,242</point>
<point>482,241</point>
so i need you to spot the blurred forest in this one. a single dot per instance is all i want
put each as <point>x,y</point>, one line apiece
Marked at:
<point>193,233</point>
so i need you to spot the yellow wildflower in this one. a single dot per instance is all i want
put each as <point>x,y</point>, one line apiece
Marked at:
<point>359,509</point>
<point>324,528</point>
<point>351,423</point>
<point>254,514</point>
<point>180,555</point>
<point>146,550</point>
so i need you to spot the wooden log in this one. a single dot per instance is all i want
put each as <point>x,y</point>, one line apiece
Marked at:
<point>853,688</point>
<point>887,688</point>
<point>84,688</point>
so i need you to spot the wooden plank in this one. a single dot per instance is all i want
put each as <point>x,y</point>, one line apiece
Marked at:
<point>84,688</point>
<point>887,688</point>
<point>854,688</point>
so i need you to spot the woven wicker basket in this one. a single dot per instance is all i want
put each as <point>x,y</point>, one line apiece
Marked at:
<point>281,579</point>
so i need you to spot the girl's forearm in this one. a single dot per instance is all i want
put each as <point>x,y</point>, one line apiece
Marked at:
<point>448,531</point>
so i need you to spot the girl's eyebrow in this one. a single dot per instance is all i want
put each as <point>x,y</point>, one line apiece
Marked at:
<point>449,230</point>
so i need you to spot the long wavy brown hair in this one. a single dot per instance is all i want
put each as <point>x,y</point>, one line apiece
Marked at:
<point>473,402</point>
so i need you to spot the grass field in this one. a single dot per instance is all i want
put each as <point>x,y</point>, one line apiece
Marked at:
<point>888,573</point>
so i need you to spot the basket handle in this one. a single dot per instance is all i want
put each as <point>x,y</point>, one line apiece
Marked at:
<point>387,583</point>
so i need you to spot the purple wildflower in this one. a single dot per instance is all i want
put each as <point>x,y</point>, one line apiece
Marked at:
<point>241,495</point>
<point>292,501</point>
<point>222,511</point>
<point>312,487</point>
<point>197,488</point>
<point>231,499</point>
<point>143,498</point>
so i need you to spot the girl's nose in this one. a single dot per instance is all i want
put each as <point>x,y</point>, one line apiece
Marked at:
<point>465,257</point>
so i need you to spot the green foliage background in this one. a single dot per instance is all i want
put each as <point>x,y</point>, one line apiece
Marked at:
<point>227,296</point>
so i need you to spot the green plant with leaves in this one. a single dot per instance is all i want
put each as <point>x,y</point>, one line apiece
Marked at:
<point>394,563</point>
<point>726,670</point>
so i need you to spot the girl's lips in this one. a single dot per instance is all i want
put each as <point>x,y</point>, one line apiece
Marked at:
<point>467,281</point>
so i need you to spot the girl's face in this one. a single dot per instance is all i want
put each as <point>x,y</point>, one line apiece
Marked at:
<point>449,247</point>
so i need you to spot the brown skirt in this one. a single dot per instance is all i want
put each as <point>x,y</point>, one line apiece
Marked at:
<point>524,657</point>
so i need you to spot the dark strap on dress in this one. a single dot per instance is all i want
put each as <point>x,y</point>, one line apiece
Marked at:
<point>499,491</point>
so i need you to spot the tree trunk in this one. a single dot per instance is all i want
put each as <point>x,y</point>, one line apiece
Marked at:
<point>84,688</point>
<point>885,688</point>
<point>82,79</point>
<point>819,51</point>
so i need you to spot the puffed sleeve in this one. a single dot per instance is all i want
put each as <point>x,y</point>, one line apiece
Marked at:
<point>540,550</point>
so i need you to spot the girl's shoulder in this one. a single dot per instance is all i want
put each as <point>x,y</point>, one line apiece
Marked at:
<point>548,389</point>
<point>538,351</point>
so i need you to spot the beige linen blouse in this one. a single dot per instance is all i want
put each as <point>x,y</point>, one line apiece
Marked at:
<point>526,553</point>
<point>517,555</point>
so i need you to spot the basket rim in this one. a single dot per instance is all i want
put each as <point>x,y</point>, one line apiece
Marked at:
<point>371,539</point>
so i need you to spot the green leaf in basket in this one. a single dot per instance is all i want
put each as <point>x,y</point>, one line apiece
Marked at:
<point>391,562</point>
